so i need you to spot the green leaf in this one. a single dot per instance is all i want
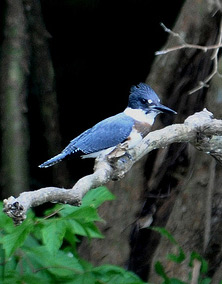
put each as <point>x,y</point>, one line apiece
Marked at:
<point>10,277</point>
<point>113,274</point>
<point>9,265</point>
<point>85,278</point>
<point>92,200</point>
<point>54,211</point>
<point>67,210</point>
<point>6,223</point>
<point>93,231</point>
<point>16,238</point>
<point>84,214</point>
<point>53,233</point>
<point>95,197</point>
<point>75,227</point>
<point>176,281</point>
<point>165,233</point>
<point>62,265</point>
<point>161,272</point>
<point>178,258</point>
<point>204,264</point>
<point>207,281</point>
<point>71,239</point>
<point>31,241</point>
<point>33,279</point>
<point>89,230</point>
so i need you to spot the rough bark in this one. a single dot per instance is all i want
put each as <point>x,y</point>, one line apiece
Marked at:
<point>195,220</point>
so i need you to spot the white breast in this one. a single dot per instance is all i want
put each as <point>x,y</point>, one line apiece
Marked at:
<point>140,115</point>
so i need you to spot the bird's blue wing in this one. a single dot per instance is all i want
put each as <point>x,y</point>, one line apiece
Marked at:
<point>105,134</point>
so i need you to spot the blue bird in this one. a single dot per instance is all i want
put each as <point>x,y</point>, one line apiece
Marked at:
<point>130,126</point>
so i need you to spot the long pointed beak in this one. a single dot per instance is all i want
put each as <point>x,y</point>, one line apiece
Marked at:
<point>163,108</point>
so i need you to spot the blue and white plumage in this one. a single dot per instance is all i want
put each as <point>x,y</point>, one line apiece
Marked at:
<point>131,125</point>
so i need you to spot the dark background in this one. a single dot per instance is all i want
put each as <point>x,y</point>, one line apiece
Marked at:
<point>99,49</point>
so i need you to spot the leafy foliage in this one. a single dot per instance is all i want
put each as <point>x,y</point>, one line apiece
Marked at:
<point>43,250</point>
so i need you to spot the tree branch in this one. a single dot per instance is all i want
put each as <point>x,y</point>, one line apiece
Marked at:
<point>216,47</point>
<point>199,129</point>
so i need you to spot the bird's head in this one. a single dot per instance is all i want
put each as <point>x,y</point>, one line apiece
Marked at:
<point>144,98</point>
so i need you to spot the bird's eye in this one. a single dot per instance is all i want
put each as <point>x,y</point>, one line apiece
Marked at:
<point>144,101</point>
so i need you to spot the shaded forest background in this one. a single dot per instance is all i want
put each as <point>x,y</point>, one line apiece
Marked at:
<point>65,65</point>
<point>79,59</point>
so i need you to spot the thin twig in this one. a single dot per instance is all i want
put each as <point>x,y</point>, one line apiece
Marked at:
<point>196,271</point>
<point>202,84</point>
<point>53,213</point>
<point>214,56</point>
<point>167,30</point>
<point>188,45</point>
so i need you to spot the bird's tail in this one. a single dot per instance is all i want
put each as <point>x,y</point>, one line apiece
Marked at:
<point>58,158</point>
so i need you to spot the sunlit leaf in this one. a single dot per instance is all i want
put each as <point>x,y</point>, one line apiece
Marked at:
<point>113,274</point>
<point>53,234</point>
<point>61,265</point>
<point>16,238</point>
<point>95,197</point>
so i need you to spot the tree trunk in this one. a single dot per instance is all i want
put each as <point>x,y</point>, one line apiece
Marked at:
<point>28,98</point>
<point>181,169</point>
<point>14,66</point>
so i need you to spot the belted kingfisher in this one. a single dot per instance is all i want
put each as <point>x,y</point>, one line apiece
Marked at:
<point>130,126</point>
